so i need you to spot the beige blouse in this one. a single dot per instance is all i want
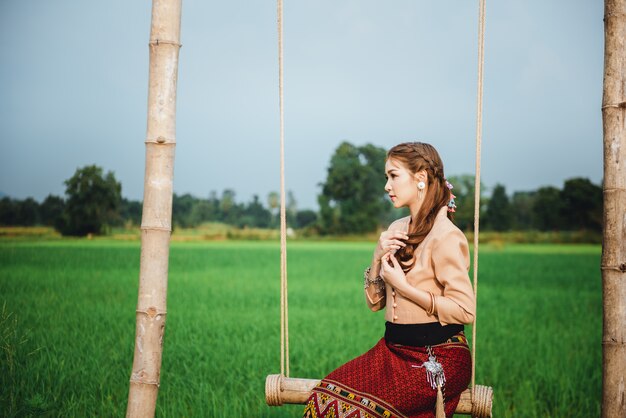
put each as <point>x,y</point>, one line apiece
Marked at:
<point>441,267</point>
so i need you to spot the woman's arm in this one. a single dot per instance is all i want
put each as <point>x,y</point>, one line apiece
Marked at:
<point>390,240</point>
<point>374,287</point>
<point>393,275</point>
<point>451,264</point>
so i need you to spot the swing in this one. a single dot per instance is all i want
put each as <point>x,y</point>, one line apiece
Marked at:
<point>280,388</point>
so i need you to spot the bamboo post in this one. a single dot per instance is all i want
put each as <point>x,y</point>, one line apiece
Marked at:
<point>614,234</point>
<point>156,222</point>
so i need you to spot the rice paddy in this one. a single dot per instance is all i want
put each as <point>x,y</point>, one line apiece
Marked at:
<point>67,326</point>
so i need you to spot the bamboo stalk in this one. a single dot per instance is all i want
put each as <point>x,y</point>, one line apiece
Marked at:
<point>156,222</point>
<point>614,225</point>
<point>280,390</point>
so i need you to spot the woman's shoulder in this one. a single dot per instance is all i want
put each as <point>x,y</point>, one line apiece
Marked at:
<point>445,228</point>
<point>400,224</point>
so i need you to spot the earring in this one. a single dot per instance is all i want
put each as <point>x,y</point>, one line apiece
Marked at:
<point>421,185</point>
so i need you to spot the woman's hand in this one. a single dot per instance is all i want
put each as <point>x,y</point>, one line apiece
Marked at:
<point>389,242</point>
<point>392,272</point>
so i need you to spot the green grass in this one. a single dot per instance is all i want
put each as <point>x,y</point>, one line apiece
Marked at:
<point>67,326</point>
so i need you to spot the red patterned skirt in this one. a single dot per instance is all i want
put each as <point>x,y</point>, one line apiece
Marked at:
<point>386,382</point>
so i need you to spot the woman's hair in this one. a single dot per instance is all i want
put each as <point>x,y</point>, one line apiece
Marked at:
<point>418,156</point>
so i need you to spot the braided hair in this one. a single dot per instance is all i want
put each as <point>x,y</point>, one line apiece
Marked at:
<point>418,156</point>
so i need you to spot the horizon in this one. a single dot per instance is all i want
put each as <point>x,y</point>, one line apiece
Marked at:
<point>263,198</point>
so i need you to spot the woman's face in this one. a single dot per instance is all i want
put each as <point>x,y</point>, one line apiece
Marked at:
<point>401,184</point>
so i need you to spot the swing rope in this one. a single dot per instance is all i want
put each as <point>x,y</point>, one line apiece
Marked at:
<point>479,134</point>
<point>284,311</point>
<point>485,392</point>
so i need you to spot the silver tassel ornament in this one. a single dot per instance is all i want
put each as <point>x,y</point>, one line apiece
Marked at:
<point>436,378</point>
<point>434,372</point>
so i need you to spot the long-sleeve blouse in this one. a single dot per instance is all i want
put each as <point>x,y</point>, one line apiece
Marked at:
<point>441,267</point>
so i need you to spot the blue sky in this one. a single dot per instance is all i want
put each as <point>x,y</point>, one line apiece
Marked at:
<point>74,79</point>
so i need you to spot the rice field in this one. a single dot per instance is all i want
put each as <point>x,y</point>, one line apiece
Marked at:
<point>67,325</point>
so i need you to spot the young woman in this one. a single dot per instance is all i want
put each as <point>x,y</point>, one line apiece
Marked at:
<point>419,274</point>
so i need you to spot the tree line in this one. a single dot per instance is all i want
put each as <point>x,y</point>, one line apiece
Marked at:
<point>93,204</point>
<point>352,201</point>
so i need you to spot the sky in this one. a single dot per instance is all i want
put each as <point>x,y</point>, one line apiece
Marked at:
<point>74,81</point>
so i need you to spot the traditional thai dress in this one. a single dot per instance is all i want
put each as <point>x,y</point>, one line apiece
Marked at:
<point>392,379</point>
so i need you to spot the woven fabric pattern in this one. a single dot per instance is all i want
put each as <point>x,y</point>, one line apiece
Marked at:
<point>385,382</point>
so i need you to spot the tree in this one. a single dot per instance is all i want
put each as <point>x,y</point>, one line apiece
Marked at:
<point>353,199</point>
<point>329,215</point>
<point>291,208</point>
<point>305,218</point>
<point>582,205</point>
<point>27,213</point>
<point>19,212</point>
<point>464,192</point>
<point>181,210</point>
<point>546,209</point>
<point>273,202</point>
<point>521,210</point>
<point>130,211</point>
<point>93,201</point>
<point>255,215</point>
<point>201,211</point>
<point>230,210</point>
<point>498,213</point>
<point>214,203</point>
<point>8,211</point>
<point>51,211</point>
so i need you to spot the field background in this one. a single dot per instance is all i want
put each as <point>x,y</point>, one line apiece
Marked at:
<point>67,325</point>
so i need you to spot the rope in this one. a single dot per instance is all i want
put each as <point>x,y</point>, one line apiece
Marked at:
<point>479,133</point>
<point>284,317</point>
<point>482,402</point>
<point>272,390</point>
<point>284,311</point>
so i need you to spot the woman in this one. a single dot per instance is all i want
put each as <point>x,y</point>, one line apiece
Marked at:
<point>419,274</point>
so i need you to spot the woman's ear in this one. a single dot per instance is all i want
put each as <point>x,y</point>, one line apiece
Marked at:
<point>421,176</point>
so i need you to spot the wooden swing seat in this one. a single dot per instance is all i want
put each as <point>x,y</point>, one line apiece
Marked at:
<point>281,390</point>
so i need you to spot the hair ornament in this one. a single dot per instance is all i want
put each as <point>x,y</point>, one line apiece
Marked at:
<point>451,203</point>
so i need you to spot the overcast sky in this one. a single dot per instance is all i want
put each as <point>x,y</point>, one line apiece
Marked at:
<point>74,78</point>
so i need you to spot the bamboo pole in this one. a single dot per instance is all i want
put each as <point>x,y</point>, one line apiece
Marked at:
<point>614,234</point>
<point>156,222</point>
<point>280,390</point>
